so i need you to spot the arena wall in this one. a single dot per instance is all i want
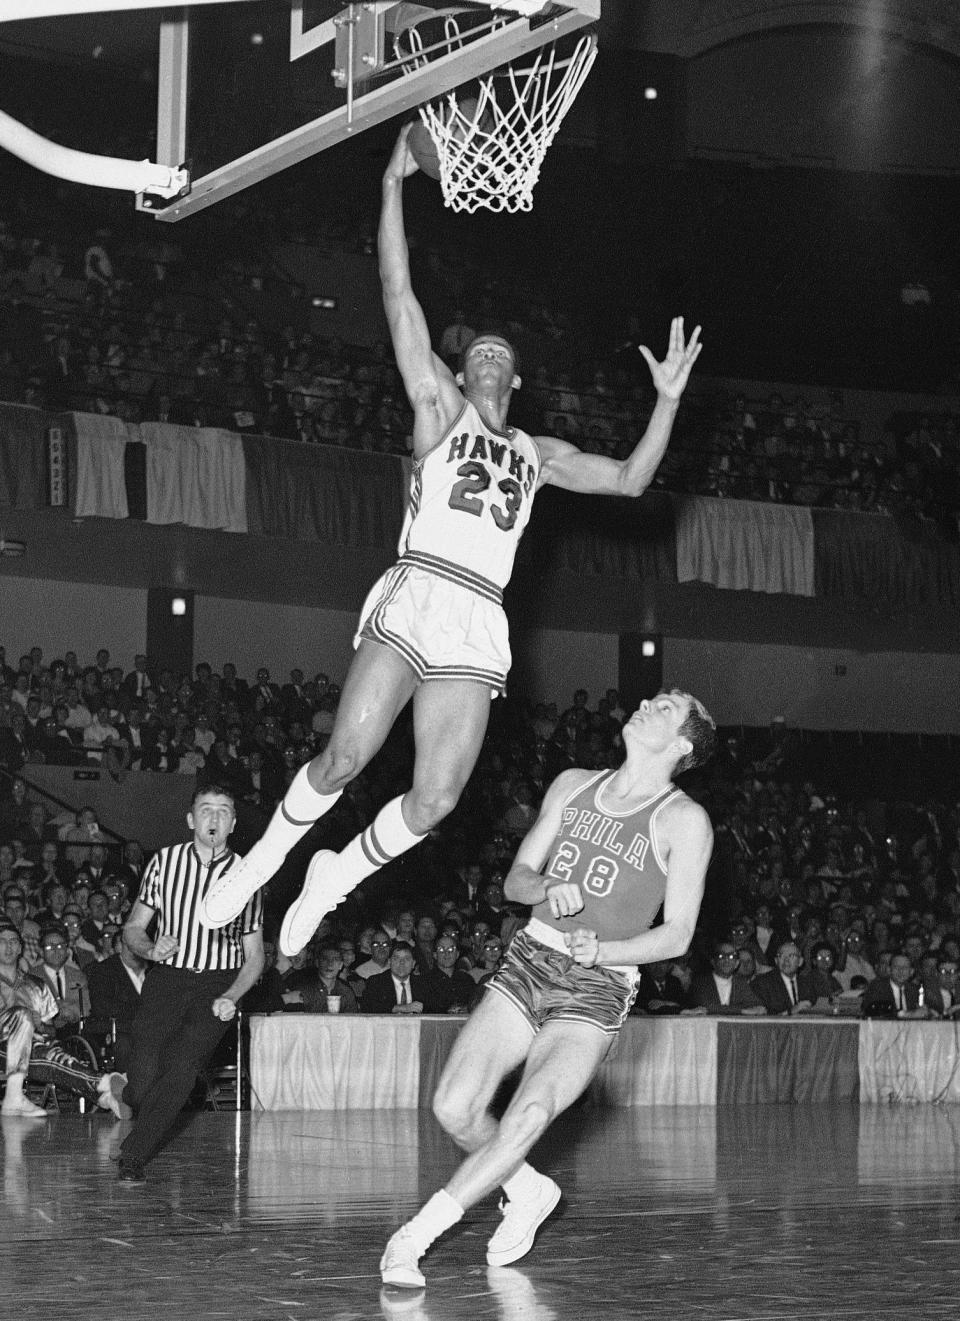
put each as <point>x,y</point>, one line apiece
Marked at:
<point>742,681</point>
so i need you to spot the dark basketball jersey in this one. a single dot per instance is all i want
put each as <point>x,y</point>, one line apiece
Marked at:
<point>613,857</point>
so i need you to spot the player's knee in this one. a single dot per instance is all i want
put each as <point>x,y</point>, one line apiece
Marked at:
<point>454,1112</point>
<point>334,768</point>
<point>429,805</point>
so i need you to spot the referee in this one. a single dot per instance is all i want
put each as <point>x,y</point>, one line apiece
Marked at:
<point>195,978</point>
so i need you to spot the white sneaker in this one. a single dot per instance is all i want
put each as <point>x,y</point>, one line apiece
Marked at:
<point>22,1108</point>
<point>230,893</point>
<point>323,889</point>
<point>521,1220</point>
<point>398,1265</point>
<point>111,1087</point>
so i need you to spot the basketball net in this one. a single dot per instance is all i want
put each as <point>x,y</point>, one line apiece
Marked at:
<point>491,151</point>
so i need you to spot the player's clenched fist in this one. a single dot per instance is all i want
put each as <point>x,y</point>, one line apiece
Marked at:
<point>584,946</point>
<point>564,898</point>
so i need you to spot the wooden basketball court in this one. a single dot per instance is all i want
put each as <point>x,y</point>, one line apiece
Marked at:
<point>841,1212</point>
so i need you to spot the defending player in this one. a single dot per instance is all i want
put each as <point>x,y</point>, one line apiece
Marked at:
<point>433,628</point>
<point>616,845</point>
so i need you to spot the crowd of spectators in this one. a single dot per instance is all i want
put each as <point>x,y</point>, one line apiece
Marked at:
<point>815,903</point>
<point>149,331</point>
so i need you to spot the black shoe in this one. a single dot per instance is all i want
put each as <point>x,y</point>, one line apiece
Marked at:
<point>131,1171</point>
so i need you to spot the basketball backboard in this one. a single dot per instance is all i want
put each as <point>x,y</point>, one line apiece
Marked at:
<point>249,89</point>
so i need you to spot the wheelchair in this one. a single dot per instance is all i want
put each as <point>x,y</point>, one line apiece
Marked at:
<point>48,1094</point>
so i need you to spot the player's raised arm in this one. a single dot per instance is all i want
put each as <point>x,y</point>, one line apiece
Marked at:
<point>595,474</point>
<point>430,387</point>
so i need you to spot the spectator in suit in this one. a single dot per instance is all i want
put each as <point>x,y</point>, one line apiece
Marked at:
<point>265,695</point>
<point>660,992</point>
<point>114,989</point>
<point>329,982</point>
<point>233,688</point>
<point>723,990</point>
<point>14,745</point>
<point>98,915</point>
<point>138,736</point>
<point>27,1007</point>
<point>449,989</point>
<point>136,683</point>
<point>788,988</point>
<point>896,996</point>
<point>55,897</point>
<point>296,702</point>
<point>399,990</point>
<point>67,983</point>
<point>82,953</point>
<point>941,992</point>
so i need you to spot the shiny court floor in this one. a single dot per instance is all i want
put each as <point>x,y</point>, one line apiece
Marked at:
<point>767,1212</point>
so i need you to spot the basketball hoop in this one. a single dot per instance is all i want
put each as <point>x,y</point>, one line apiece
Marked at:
<point>491,149</point>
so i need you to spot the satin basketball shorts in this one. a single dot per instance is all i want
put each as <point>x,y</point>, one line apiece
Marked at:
<point>548,986</point>
<point>441,628</point>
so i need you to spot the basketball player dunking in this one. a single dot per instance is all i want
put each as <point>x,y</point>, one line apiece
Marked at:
<point>608,848</point>
<point>433,628</point>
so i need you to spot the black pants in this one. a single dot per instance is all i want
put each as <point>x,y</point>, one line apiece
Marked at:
<point>174,1034</point>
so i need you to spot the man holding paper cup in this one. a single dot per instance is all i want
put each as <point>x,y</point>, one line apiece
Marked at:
<point>329,994</point>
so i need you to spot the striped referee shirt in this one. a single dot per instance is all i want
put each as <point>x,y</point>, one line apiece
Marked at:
<point>173,884</point>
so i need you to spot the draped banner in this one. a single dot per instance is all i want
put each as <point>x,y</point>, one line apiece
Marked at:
<point>321,493</point>
<point>319,1062</point>
<point>776,1060</point>
<point>101,480</point>
<point>604,536</point>
<point>196,476</point>
<point>745,546</point>
<point>23,433</point>
<point>909,1061</point>
<point>889,561</point>
<point>208,478</point>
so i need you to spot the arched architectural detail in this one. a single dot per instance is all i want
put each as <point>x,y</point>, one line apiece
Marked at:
<point>934,23</point>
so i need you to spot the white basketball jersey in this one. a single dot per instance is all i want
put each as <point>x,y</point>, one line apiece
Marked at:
<point>470,499</point>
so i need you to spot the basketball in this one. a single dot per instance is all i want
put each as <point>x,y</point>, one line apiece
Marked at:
<point>423,151</point>
<point>421,143</point>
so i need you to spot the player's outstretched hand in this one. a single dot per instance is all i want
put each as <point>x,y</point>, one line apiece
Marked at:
<point>564,898</point>
<point>402,163</point>
<point>584,946</point>
<point>670,376</point>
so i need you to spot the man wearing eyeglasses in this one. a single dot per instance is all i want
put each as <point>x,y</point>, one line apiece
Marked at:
<point>942,995</point>
<point>27,1009</point>
<point>379,956</point>
<point>67,983</point>
<point>724,989</point>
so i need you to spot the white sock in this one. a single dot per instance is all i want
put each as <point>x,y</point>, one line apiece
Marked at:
<point>524,1182</point>
<point>386,838</point>
<point>14,1092</point>
<point>300,809</point>
<point>438,1215</point>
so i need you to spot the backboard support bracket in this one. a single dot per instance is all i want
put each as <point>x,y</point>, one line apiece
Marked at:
<point>380,103</point>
